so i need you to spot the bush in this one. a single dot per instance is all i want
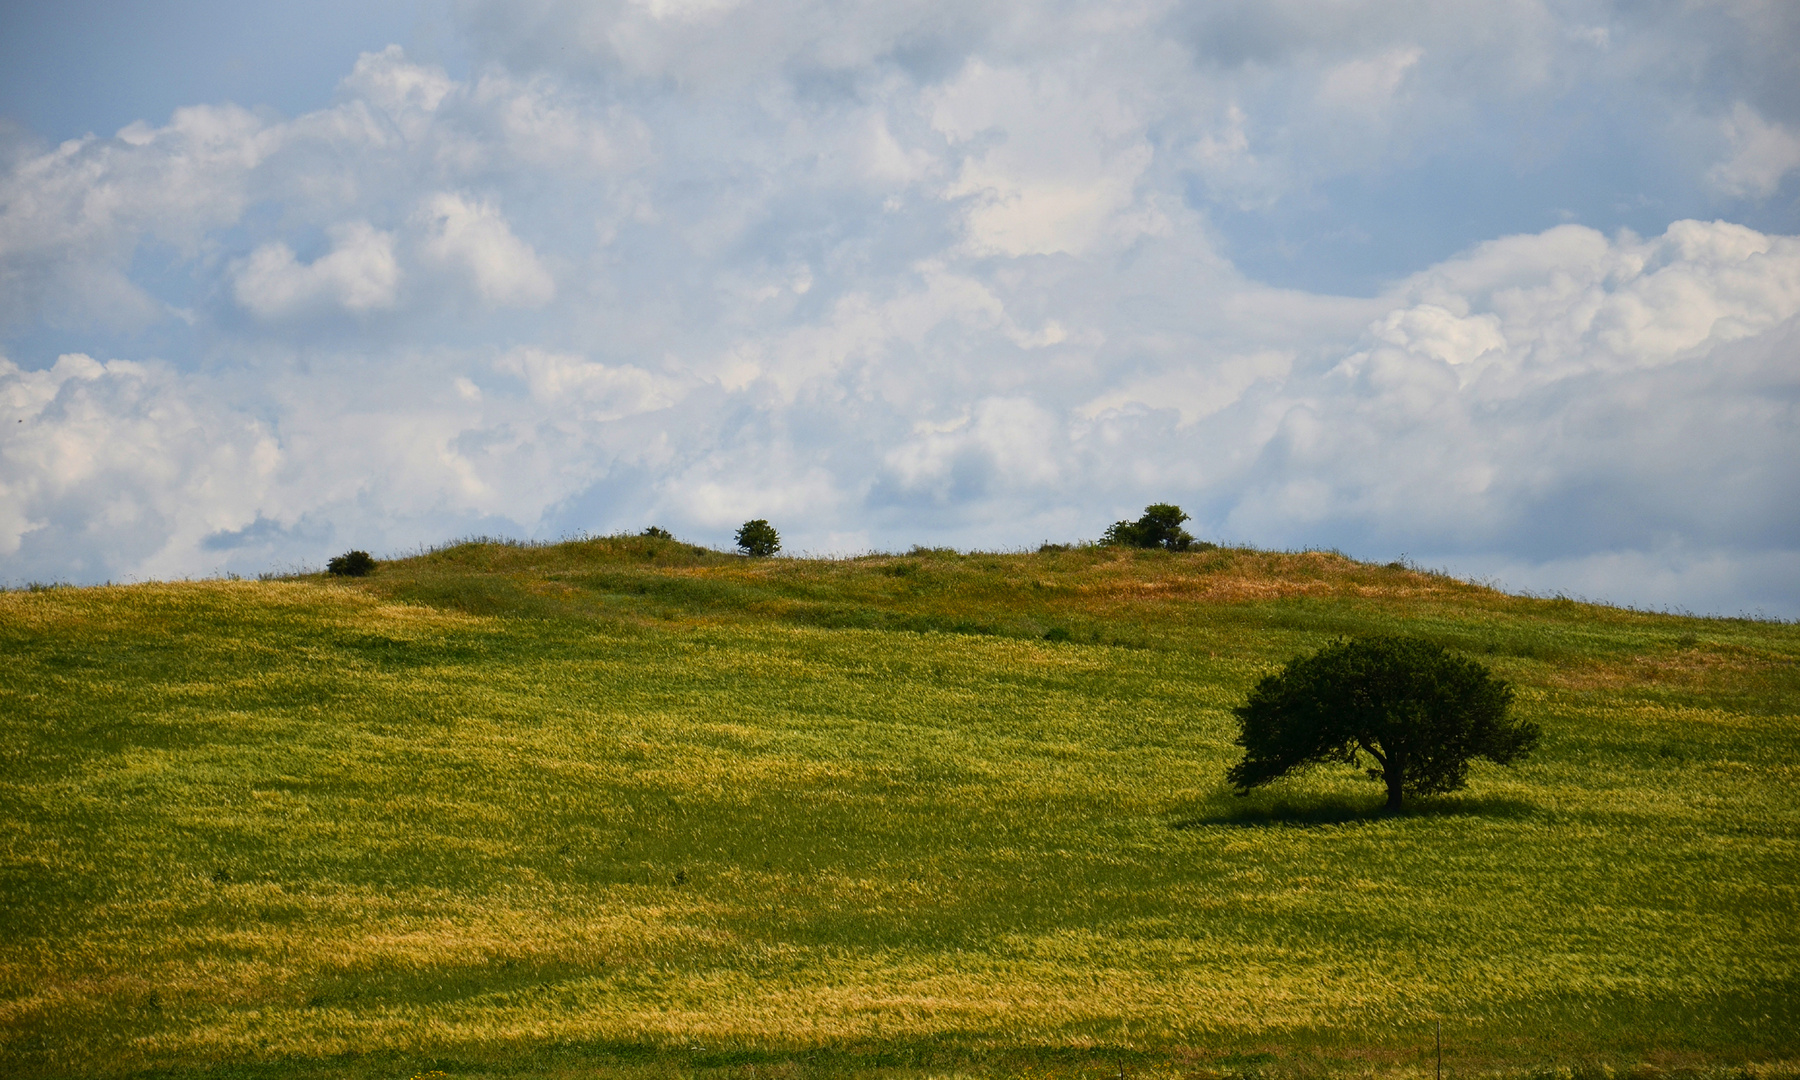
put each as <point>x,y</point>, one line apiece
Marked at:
<point>1160,527</point>
<point>758,539</point>
<point>1418,712</point>
<point>657,532</point>
<point>351,564</point>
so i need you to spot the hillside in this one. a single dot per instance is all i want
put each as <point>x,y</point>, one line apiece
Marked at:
<point>627,807</point>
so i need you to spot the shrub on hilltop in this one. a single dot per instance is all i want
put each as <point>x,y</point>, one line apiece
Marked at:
<point>351,564</point>
<point>1160,527</point>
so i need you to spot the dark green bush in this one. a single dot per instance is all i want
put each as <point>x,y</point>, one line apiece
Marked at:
<point>659,533</point>
<point>1160,527</point>
<point>351,564</point>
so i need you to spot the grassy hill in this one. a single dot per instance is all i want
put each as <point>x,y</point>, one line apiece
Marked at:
<point>625,807</point>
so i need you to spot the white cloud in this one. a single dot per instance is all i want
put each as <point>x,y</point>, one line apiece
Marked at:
<point>1568,301</point>
<point>359,274</point>
<point>1197,391</point>
<point>1059,166</point>
<point>1621,393</point>
<point>500,122</point>
<point>1368,84</point>
<point>1435,332</point>
<point>404,93</point>
<point>1002,443</point>
<point>1762,155</point>
<point>72,217</point>
<point>121,465</point>
<point>474,237</point>
<point>686,10</point>
<point>596,392</point>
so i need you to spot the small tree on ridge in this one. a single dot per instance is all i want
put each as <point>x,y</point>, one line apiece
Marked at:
<point>758,539</point>
<point>1420,713</point>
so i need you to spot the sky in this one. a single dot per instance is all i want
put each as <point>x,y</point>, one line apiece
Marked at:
<point>1509,289</point>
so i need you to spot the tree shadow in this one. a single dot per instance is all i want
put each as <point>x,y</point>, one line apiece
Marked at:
<point>1229,811</point>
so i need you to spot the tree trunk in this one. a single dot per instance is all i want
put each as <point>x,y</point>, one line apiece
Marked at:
<point>1390,771</point>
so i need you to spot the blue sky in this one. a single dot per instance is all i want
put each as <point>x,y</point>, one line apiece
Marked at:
<point>1510,288</point>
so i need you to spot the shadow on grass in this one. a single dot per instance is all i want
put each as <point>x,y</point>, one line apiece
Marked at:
<point>1231,811</point>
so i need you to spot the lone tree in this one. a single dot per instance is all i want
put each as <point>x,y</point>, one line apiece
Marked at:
<point>1159,527</point>
<point>758,539</point>
<point>1419,712</point>
<point>350,564</point>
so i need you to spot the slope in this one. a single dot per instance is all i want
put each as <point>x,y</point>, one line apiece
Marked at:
<point>628,807</point>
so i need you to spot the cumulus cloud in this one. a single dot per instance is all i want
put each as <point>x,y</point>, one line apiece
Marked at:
<point>1570,392</point>
<point>105,467</point>
<point>474,238</point>
<point>894,273</point>
<point>359,274</point>
<point>71,218</point>
<point>1194,391</point>
<point>1012,443</point>
<point>404,94</point>
<point>1762,154</point>
<point>594,392</point>
<point>1062,171</point>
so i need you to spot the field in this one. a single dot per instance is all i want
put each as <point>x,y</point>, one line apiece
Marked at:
<point>624,807</point>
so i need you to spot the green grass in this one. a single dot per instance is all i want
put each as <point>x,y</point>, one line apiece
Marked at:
<point>624,807</point>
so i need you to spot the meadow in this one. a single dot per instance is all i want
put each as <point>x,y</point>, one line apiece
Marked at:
<point>627,807</point>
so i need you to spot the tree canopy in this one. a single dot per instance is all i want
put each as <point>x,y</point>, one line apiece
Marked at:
<point>1159,527</point>
<point>758,538</point>
<point>1420,713</point>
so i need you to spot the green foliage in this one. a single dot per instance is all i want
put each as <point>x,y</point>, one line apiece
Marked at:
<point>758,539</point>
<point>1419,712</point>
<point>433,819</point>
<point>659,533</point>
<point>351,564</point>
<point>1160,527</point>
